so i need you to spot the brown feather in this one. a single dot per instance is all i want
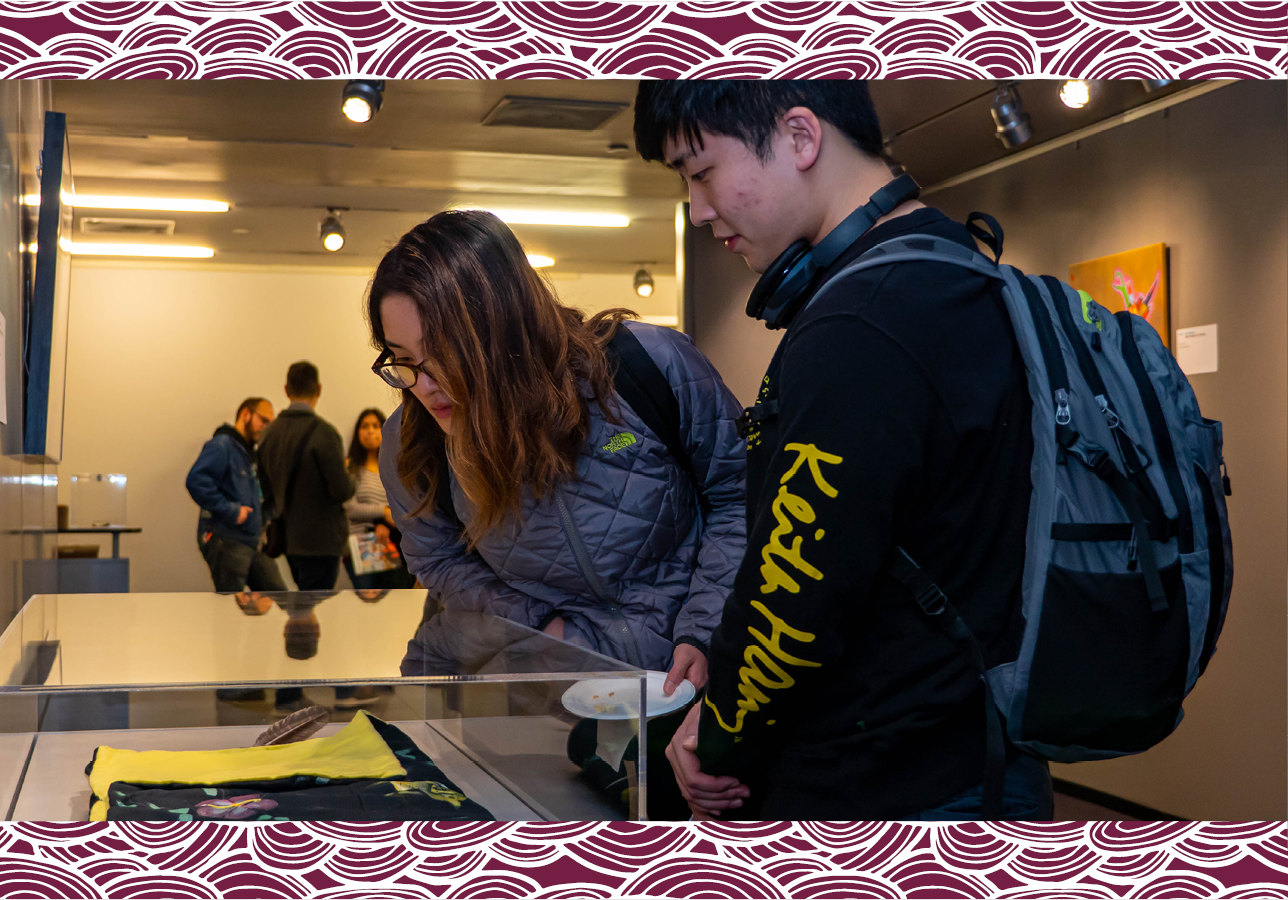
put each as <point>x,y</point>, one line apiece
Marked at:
<point>298,726</point>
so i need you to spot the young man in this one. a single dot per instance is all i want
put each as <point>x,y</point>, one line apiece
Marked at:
<point>301,443</point>
<point>224,483</point>
<point>894,413</point>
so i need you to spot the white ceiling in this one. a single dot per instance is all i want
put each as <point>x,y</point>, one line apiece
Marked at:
<point>281,153</point>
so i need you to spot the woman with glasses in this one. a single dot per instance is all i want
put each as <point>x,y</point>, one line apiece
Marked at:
<point>524,486</point>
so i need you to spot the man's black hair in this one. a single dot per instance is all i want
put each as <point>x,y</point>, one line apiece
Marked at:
<point>250,404</point>
<point>302,379</point>
<point>749,111</point>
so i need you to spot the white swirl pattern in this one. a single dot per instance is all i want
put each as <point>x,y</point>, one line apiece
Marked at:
<point>711,39</point>
<point>726,39</point>
<point>611,860</point>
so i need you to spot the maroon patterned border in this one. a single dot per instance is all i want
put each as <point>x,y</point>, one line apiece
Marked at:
<point>712,39</point>
<point>716,39</point>
<point>602,860</point>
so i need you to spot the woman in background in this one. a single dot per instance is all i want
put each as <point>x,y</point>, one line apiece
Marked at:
<point>368,509</point>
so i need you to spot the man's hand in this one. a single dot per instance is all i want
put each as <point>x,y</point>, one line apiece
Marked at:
<point>555,628</point>
<point>382,533</point>
<point>688,662</point>
<point>243,514</point>
<point>706,795</point>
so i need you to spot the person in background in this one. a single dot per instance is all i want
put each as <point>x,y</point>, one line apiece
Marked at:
<point>302,454</point>
<point>301,466</point>
<point>224,482</point>
<point>368,508</point>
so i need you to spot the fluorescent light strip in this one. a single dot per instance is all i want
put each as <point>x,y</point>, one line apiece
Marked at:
<point>538,261</point>
<point>173,251</point>
<point>555,217</point>
<point>152,204</point>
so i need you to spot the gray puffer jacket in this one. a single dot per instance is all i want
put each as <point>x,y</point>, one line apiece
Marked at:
<point>665,567</point>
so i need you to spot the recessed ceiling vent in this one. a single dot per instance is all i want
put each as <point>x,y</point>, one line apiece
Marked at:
<point>132,227</point>
<point>552,112</point>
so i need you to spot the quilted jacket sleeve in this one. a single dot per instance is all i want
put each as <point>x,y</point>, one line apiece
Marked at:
<point>708,416</point>
<point>437,557</point>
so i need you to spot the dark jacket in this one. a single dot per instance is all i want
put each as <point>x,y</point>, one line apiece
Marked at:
<point>315,521</point>
<point>222,481</point>
<point>900,416</point>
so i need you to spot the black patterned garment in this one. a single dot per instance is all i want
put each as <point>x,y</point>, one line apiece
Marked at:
<point>423,794</point>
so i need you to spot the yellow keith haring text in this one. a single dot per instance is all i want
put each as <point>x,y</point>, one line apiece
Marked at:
<point>800,511</point>
<point>761,666</point>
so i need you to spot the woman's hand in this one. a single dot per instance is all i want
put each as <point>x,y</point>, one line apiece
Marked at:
<point>688,662</point>
<point>389,517</point>
<point>555,628</point>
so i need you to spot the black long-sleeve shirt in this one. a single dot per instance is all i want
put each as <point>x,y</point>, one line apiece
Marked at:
<point>904,420</point>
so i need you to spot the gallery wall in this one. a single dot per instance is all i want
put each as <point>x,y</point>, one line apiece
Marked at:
<point>162,354</point>
<point>1208,178</point>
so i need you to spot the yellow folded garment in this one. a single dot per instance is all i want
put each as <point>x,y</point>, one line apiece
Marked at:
<point>355,751</point>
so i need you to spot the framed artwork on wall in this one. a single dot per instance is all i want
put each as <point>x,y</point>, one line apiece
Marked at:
<point>1134,280</point>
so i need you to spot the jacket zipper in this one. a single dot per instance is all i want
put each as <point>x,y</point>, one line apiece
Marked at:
<point>596,586</point>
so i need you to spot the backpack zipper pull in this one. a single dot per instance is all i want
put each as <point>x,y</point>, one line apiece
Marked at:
<point>1225,480</point>
<point>1131,552</point>
<point>1111,417</point>
<point>1062,414</point>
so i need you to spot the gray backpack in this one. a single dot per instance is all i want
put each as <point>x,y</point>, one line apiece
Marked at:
<point>1127,567</point>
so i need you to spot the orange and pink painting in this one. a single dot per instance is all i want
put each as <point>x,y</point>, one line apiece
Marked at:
<point>1134,280</point>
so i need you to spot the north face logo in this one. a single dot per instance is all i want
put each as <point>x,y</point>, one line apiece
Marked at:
<point>620,442</point>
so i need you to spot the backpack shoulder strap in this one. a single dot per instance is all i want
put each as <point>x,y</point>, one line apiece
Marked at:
<point>639,382</point>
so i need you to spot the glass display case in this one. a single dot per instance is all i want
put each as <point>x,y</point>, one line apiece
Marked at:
<point>186,671</point>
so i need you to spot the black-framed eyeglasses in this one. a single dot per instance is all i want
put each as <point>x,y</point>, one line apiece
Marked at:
<point>399,375</point>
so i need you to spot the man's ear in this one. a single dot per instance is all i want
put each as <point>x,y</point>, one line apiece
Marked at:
<point>805,131</point>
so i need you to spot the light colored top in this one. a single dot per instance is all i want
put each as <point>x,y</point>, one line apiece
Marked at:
<point>366,508</point>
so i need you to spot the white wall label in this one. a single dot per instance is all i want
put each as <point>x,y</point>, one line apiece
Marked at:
<point>1196,349</point>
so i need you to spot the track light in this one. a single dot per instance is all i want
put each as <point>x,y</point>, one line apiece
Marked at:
<point>361,100</point>
<point>644,283</point>
<point>331,231</point>
<point>537,261</point>
<point>1013,126</point>
<point>1075,93</point>
<point>1152,84</point>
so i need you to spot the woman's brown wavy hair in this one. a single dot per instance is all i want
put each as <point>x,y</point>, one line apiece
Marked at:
<point>516,363</point>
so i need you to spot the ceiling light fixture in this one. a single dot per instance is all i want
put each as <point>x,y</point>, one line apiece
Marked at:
<point>1013,125</point>
<point>537,261</point>
<point>154,204</point>
<point>1075,93</point>
<point>331,231</point>
<point>173,251</point>
<point>361,100</point>
<point>644,283</point>
<point>1152,84</point>
<point>555,217</point>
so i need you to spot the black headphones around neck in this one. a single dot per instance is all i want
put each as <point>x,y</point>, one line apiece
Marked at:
<point>785,286</point>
